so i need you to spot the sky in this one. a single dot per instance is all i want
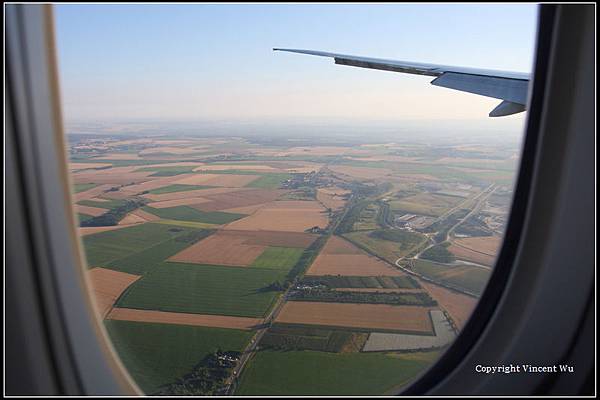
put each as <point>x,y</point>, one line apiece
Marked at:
<point>215,61</point>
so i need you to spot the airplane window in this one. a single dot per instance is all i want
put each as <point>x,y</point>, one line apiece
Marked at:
<point>316,220</point>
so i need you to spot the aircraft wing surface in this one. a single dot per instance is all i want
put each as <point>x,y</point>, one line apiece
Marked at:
<point>510,87</point>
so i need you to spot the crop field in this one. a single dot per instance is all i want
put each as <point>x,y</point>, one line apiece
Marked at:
<point>177,188</point>
<point>339,257</point>
<point>162,317</point>
<point>387,249</point>
<point>467,277</point>
<point>108,286</point>
<point>158,354</point>
<point>221,180</point>
<point>444,335</point>
<point>287,216</point>
<point>145,260</point>
<point>104,247</point>
<point>305,373</point>
<point>366,173</point>
<point>351,265</point>
<point>185,213</point>
<point>425,203</point>
<point>242,198</point>
<point>221,249</point>
<point>168,170</point>
<point>371,317</point>
<point>281,258</point>
<point>333,198</point>
<point>190,193</point>
<point>269,181</point>
<point>204,289</point>
<point>459,306</point>
<point>91,211</point>
<point>375,282</point>
<point>282,337</point>
<point>82,187</point>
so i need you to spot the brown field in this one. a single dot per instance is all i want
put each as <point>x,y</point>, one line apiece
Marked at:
<point>172,150</point>
<point>119,156</point>
<point>108,286</point>
<point>162,317</point>
<point>151,184</point>
<point>191,193</point>
<point>145,215</point>
<point>91,193</point>
<point>288,216</point>
<point>115,175</point>
<point>178,202</point>
<point>332,197</point>
<point>459,306</point>
<point>367,316</point>
<point>415,177</point>
<point>244,167</point>
<point>221,180</point>
<point>223,201</point>
<point>361,172</point>
<point>340,257</point>
<point>244,210</point>
<point>131,219</point>
<point>93,211</point>
<point>239,248</point>
<point>351,265</point>
<point>482,244</point>
<point>462,253</point>
<point>338,245</point>
<point>89,230</point>
<point>81,166</point>
<point>219,249</point>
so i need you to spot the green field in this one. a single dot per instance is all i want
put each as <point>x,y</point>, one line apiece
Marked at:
<point>373,242</point>
<point>82,187</point>
<point>185,213</point>
<point>269,181</point>
<point>158,354</point>
<point>282,258</point>
<point>177,188</point>
<point>108,204</point>
<point>204,289</point>
<point>467,277</point>
<point>168,171</point>
<point>425,203</point>
<point>104,247</point>
<point>312,373</point>
<point>141,262</point>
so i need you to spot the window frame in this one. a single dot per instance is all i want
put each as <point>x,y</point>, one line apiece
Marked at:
<point>77,347</point>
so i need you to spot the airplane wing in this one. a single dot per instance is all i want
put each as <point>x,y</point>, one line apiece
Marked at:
<point>510,87</point>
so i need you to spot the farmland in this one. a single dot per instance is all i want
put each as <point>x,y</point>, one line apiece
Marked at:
<point>277,373</point>
<point>157,354</point>
<point>285,266</point>
<point>204,289</point>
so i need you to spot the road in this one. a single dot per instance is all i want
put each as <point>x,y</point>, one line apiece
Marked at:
<point>250,349</point>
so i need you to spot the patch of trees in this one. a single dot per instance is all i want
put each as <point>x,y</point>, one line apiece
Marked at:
<point>113,216</point>
<point>333,296</point>
<point>207,378</point>
<point>307,257</point>
<point>439,253</point>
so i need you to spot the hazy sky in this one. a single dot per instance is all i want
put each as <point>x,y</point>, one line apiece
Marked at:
<point>179,62</point>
